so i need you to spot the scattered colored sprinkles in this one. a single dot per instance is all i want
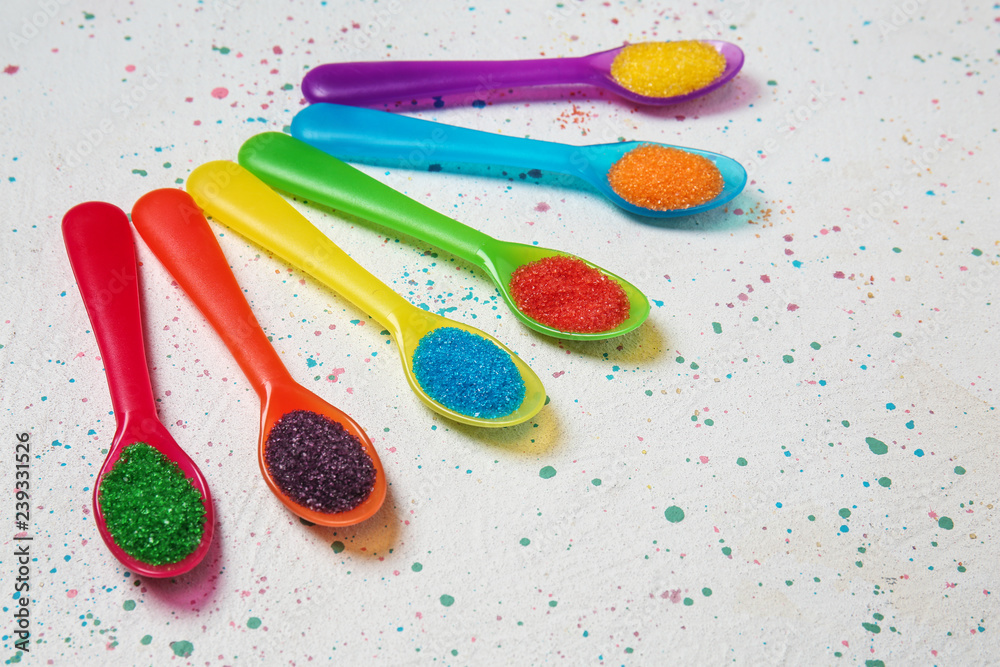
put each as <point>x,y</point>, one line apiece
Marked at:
<point>568,294</point>
<point>665,179</point>
<point>153,512</point>
<point>666,69</point>
<point>317,463</point>
<point>467,373</point>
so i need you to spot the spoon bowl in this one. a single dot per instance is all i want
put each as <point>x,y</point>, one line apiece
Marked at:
<point>176,231</point>
<point>152,432</point>
<point>101,251</point>
<point>368,83</point>
<point>238,199</point>
<point>598,159</point>
<point>295,167</point>
<point>364,134</point>
<point>501,258</point>
<point>283,398</point>
<point>416,323</point>
<point>600,64</point>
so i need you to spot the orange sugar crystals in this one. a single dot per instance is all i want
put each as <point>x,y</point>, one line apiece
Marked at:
<point>666,69</point>
<point>665,179</point>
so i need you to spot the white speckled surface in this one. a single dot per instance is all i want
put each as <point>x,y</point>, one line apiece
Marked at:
<point>846,297</point>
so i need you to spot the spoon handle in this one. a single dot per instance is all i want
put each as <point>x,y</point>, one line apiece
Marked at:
<point>176,231</point>
<point>102,254</point>
<point>375,82</point>
<point>241,201</point>
<point>288,164</point>
<point>412,143</point>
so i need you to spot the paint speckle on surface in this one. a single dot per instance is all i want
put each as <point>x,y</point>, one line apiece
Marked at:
<point>253,622</point>
<point>877,446</point>
<point>447,600</point>
<point>741,461</point>
<point>548,472</point>
<point>220,93</point>
<point>674,514</point>
<point>946,523</point>
<point>182,649</point>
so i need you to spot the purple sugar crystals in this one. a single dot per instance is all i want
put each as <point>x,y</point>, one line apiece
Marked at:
<point>317,463</point>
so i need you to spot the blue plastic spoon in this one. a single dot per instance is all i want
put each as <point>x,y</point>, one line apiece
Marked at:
<point>352,132</point>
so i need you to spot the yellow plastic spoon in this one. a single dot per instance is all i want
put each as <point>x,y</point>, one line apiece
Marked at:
<point>239,200</point>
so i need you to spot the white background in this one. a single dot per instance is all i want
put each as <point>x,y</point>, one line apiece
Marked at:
<point>869,131</point>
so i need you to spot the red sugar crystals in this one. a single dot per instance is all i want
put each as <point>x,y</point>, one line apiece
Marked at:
<point>566,293</point>
<point>665,179</point>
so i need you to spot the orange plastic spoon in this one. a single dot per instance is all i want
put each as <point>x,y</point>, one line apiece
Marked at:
<point>177,232</point>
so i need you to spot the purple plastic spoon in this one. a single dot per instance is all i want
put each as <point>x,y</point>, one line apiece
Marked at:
<point>380,82</point>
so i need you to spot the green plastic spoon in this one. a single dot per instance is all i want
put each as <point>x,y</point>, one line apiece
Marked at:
<point>288,164</point>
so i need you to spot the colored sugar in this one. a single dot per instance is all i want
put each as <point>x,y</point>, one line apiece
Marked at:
<point>153,512</point>
<point>317,463</point>
<point>568,294</point>
<point>467,373</point>
<point>665,179</point>
<point>666,69</point>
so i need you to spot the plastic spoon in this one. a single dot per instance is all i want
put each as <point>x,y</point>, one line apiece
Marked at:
<point>351,132</point>
<point>176,231</point>
<point>295,167</point>
<point>238,199</point>
<point>390,81</point>
<point>101,251</point>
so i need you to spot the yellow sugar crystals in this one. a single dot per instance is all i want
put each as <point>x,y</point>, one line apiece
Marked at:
<point>667,69</point>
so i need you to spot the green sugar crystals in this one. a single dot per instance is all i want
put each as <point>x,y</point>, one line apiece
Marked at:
<point>153,512</point>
